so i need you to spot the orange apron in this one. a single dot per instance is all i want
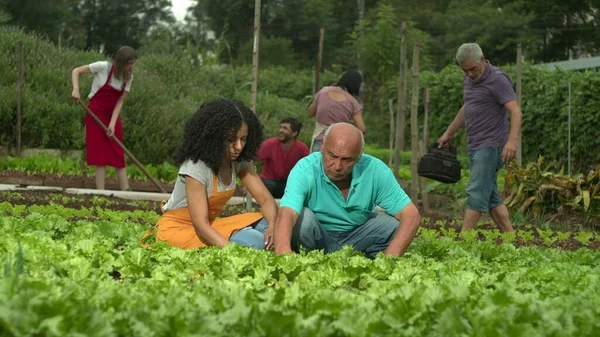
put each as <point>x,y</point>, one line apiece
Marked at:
<point>175,226</point>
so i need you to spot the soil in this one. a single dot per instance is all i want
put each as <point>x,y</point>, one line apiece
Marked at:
<point>24,179</point>
<point>432,221</point>
<point>74,181</point>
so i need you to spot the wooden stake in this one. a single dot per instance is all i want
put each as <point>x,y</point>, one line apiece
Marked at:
<point>519,94</point>
<point>414,127</point>
<point>424,143</point>
<point>316,85</point>
<point>391,154</point>
<point>84,173</point>
<point>361,33</point>
<point>253,90</point>
<point>19,94</point>
<point>401,116</point>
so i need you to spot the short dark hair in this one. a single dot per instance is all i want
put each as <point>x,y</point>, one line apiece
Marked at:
<point>295,124</point>
<point>209,128</point>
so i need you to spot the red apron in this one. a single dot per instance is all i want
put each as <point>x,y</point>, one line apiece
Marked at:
<point>101,150</point>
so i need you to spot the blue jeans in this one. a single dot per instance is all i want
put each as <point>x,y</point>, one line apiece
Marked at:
<point>276,187</point>
<point>482,190</point>
<point>372,237</point>
<point>316,145</point>
<point>251,236</point>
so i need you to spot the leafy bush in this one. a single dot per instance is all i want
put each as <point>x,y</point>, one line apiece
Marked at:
<point>534,188</point>
<point>44,163</point>
<point>273,52</point>
<point>545,112</point>
<point>167,90</point>
<point>89,276</point>
<point>165,93</point>
<point>49,120</point>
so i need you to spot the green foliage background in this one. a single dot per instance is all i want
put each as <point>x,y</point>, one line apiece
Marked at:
<point>165,92</point>
<point>168,89</point>
<point>545,112</point>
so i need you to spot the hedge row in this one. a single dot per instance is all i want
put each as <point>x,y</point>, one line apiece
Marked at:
<point>168,90</point>
<point>165,92</point>
<point>545,112</point>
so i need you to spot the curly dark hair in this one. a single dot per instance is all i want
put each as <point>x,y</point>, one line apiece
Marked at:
<point>207,131</point>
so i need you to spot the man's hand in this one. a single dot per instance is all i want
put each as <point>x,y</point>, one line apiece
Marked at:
<point>286,219</point>
<point>409,219</point>
<point>510,150</point>
<point>444,140</point>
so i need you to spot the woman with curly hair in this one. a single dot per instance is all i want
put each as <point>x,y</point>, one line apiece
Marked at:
<point>220,141</point>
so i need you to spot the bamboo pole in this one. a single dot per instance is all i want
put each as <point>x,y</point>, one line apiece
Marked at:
<point>519,97</point>
<point>423,147</point>
<point>62,30</point>
<point>414,128</point>
<point>314,81</point>
<point>401,116</point>
<point>391,154</point>
<point>118,142</point>
<point>253,90</point>
<point>361,33</point>
<point>316,85</point>
<point>19,95</point>
<point>569,130</point>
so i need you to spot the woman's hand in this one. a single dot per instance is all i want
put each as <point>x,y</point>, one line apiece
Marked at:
<point>75,95</point>
<point>111,130</point>
<point>269,237</point>
<point>268,207</point>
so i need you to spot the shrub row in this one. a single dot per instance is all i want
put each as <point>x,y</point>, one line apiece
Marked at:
<point>167,90</point>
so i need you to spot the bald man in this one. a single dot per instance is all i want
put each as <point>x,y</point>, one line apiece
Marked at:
<point>330,201</point>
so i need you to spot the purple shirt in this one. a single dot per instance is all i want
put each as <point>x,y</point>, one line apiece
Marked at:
<point>330,111</point>
<point>486,119</point>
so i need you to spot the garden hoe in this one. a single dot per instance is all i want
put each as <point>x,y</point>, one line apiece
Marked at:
<point>99,122</point>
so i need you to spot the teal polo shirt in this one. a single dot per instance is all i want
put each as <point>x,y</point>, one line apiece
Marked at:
<point>373,184</point>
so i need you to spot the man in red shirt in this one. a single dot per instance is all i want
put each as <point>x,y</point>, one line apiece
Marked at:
<point>280,154</point>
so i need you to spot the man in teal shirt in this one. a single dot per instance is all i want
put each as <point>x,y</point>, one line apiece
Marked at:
<point>331,197</point>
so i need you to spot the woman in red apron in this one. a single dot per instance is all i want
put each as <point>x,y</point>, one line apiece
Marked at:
<point>112,82</point>
<point>220,141</point>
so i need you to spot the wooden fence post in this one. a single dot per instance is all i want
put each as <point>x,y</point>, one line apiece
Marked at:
<point>316,85</point>
<point>424,144</point>
<point>253,90</point>
<point>401,116</point>
<point>519,99</point>
<point>414,127</point>
<point>19,95</point>
<point>391,153</point>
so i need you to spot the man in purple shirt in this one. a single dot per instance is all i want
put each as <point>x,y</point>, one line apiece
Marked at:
<point>488,95</point>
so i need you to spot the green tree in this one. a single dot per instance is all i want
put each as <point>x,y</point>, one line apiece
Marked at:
<point>4,17</point>
<point>497,29</point>
<point>43,17</point>
<point>298,21</point>
<point>562,29</point>
<point>164,40</point>
<point>380,46</point>
<point>273,52</point>
<point>113,23</point>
